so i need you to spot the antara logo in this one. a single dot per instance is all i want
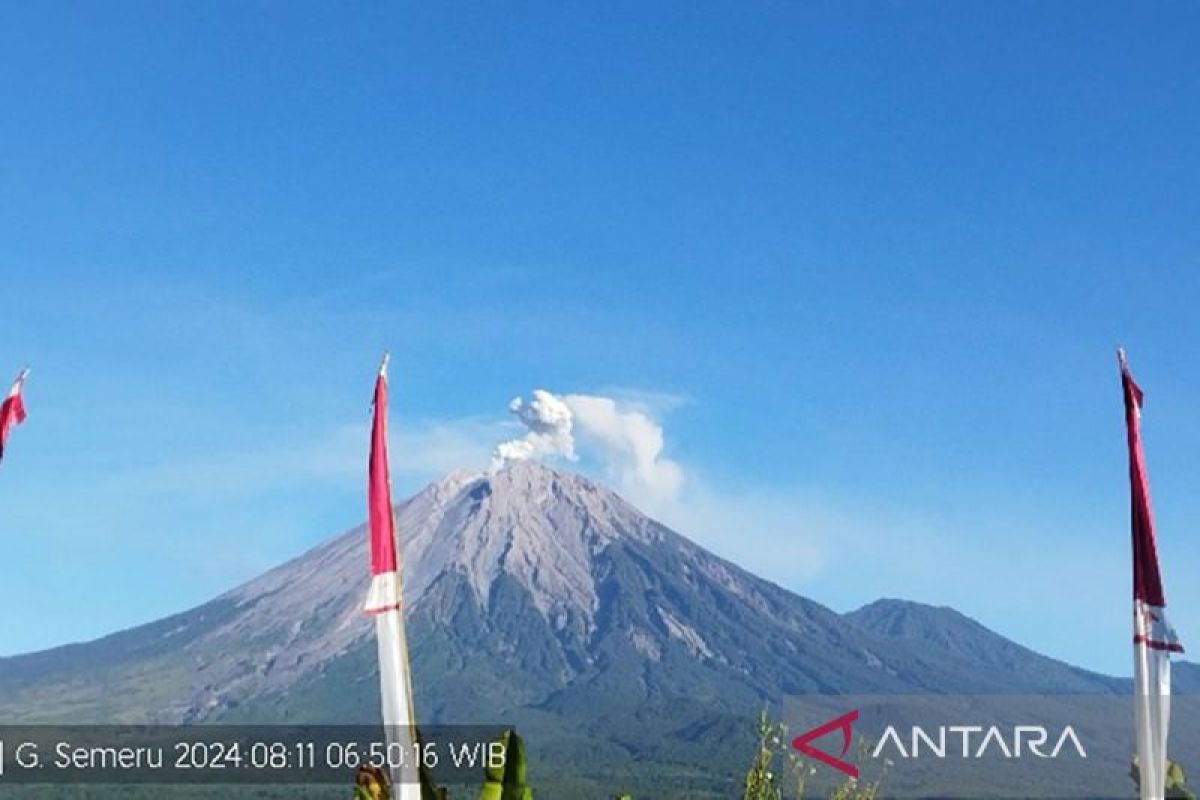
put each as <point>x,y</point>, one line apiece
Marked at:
<point>844,723</point>
<point>992,740</point>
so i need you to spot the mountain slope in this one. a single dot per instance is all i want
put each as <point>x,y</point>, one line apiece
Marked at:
<point>947,632</point>
<point>539,598</point>
<point>1185,677</point>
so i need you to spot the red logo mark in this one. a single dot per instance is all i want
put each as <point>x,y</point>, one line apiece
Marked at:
<point>845,724</point>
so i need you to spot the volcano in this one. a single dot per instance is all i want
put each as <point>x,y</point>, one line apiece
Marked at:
<point>624,652</point>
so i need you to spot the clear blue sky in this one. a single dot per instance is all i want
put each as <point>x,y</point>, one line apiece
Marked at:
<point>868,262</point>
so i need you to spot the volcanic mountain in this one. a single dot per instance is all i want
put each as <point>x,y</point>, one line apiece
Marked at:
<point>537,598</point>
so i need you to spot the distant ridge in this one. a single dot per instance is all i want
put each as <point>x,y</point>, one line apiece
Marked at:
<point>942,629</point>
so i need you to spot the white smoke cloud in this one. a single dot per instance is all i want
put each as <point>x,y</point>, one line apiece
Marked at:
<point>549,421</point>
<point>632,444</point>
<point>626,441</point>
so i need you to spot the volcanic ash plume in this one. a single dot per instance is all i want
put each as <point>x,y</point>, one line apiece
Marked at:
<point>626,442</point>
<point>630,444</point>
<point>549,421</point>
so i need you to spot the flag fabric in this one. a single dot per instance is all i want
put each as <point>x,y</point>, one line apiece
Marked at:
<point>385,600</point>
<point>12,410</point>
<point>1153,637</point>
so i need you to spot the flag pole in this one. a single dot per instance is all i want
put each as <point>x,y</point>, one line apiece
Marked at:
<point>385,601</point>
<point>1153,637</point>
<point>411,711</point>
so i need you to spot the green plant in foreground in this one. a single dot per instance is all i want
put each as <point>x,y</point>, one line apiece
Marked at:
<point>507,782</point>
<point>1176,788</point>
<point>372,783</point>
<point>760,780</point>
<point>500,783</point>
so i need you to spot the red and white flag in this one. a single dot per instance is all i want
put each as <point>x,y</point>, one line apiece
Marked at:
<point>12,410</point>
<point>1153,637</point>
<point>385,600</point>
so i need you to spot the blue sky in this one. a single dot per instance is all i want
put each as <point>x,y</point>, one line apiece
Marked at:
<point>864,263</point>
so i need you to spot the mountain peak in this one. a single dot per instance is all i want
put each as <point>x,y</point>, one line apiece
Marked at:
<point>907,619</point>
<point>453,482</point>
<point>947,631</point>
<point>526,524</point>
<point>537,524</point>
<point>526,481</point>
<point>530,479</point>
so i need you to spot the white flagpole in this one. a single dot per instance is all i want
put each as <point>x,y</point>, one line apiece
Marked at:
<point>385,600</point>
<point>1153,637</point>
